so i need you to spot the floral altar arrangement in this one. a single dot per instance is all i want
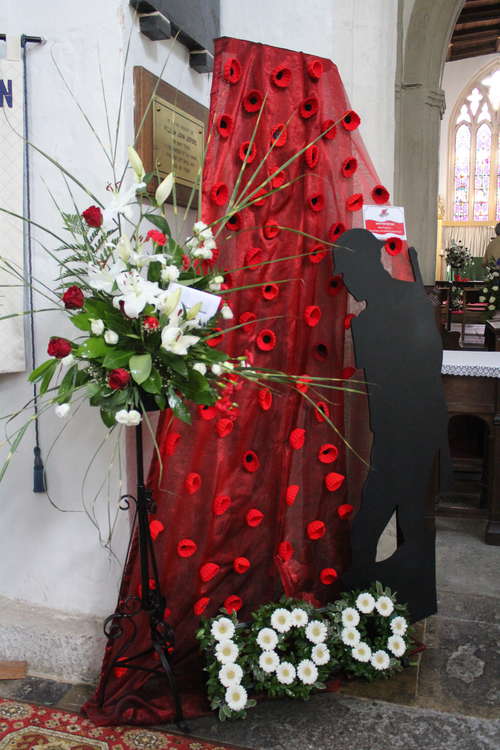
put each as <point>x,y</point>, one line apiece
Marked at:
<point>291,648</point>
<point>489,292</point>
<point>457,257</point>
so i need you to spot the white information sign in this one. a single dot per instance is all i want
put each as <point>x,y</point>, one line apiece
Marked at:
<point>191,297</point>
<point>385,221</point>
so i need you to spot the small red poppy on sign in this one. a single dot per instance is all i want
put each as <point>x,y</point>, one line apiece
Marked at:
<point>302,385</point>
<point>335,286</point>
<point>200,606</point>
<point>232,70</point>
<point>351,120</point>
<point>248,318</point>
<point>233,603</point>
<point>225,125</point>
<point>271,229</point>
<point>347,373</point>
<point>291,494</point>
<point>252,256</point>
<point>328,576</point>
<point>281,76</point>
<point>219,194</point>
<point>224,427</point>
<point>328,453</point>
<point>321,411</point>
<point>347,321</point>
<point>316,202</point>
<point>270,291</point>
<point>393,245</point>
<point>329,129</point>
<point>354,202</point>
<point>186,548</point>
<point>349,166</point>
<point>345,510</point>
<point>234,223</point>
<point>171,443</point>
<point>250,461</point>
<point>334,481</point>
<point>192,482</point>
<point>312,156</point>
<point>380,194</point>
<point>241,565</point>
<point>265,399</point>
<point>252,101</point>
<point>266,340</point>
<point>155,528</point>
<point>297,438</point>
<point>208,571</point>
<point>316,529</point>
<point>254,517</point>
<point>320,352</point>
<point>279,178</point>
<point>247,152</point>
<point>285,551</point>
<point>315,69</point>
<point>336,230</point>
<point>279,135</point>
<point>259,198</point>
<point>309,107</point>
<point>207,412</point>
<point>312,315</point>
<point>220,504</point>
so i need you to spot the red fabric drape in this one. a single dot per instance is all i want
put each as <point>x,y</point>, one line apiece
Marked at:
<point>251,503</point>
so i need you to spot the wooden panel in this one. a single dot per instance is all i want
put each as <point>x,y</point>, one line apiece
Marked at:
<point>470,395</point>
<point>13,670</point>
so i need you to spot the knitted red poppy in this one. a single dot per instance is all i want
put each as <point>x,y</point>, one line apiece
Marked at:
<point>311,156</point>
<point>351,120</point>
<point>349,166</point>
<point>321,411</point>
<point>233,603</point>
<point>347,321</point>
<point>393,245</point>
<point>232,70</point>
<point>200,606</point>
<point>302,385</point>
<point>309,107</point>
<point>224,427</point>
<point>270,291</point>
<point>354,202</point>
<point>316,202</point>
<point>252,256</point>
<point>279,135</point>
<point>291,494</point>
<point>316,529</point>
<point>335,286</point>
<point>192,482</point>
<point>186,548</point>
<point>248,318</point>
<point>259,197</point>
<point>333,481</point>
<point>329,129</point>
<point>241,565</point>
<point>279,179</point>
<point>328,453</point>
<point>315,69</point>
<point>252,101</point>
<point>155,528</point>
<point>312,315</point>
<point>225,125</point>
<point>265,399</point>
<point>221,504</point>
<point>207,412</point>
<point>271,229</point>
<point>266,340</point>
<point>247,152</point>
<point>380,194</point>
<point>219,194</point>
<point>171,443</point>
<point>234,223</point>
<point>336,230</point>
<point>208,571</point>
<point>345,510</point>
<point>254,517</point>
<point>285,551</point>
<point>297,438</point>
<point>328,576</point>
<point>250,461</point>
<point>281,76</point>
<point>320,352</point>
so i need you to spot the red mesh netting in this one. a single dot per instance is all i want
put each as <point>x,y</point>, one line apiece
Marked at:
<point>253,504</point>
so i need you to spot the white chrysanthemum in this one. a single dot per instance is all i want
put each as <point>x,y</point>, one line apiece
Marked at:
<point>320,654</point>
<point>236,697</point>
<point>365,603</point>
<point>300,617</point>
<point>226,652</point>
<point>316,631</point>
<point>350,636</point>
<point>285,673</point>
<point>281,620</point>
<point>485,290</point>
<point>222,629</point>
<point>491,307</point>
<point>492,299</point>
<point>350,617</point>
<point>269,661</point>
<point>399,626</point>
<point>362,652</point>
<point>307,672</point>
<point>380,660</point>
<point>397,645</point>
<point>494,289</point>
<point>230,674</point>
<point>385,606</point>
<point>267,639</point>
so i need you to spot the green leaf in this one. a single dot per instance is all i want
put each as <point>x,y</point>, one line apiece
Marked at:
<point>67,385</point>
<point>108,417</point>
<point>154,271</point>
<point>161,402</point>
<point>93,348</point>
<point>81,321</point>
<point>96,308</point>
<point>175,362</point>
<point>93,389</point>
<point>140,367</point>
<point>116,358</point>
<point>41,369</point>
<point>160,222</point>
<point>153,383</point>
<point>47,377</point>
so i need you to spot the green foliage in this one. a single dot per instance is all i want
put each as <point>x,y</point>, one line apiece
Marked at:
<point>140,367</point>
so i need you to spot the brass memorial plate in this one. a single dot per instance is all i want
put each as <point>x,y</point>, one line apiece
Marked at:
<point>178,139</point>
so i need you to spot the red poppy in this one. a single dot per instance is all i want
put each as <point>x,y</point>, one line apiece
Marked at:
<point>219,194</point>
<point>354,202</point>
<point>312,315</point>
<point>208,571</point>
<point>250,461</point>
<point>248,318</point>
<point>225,125</point>
<point>271,229</point>
<point>291,494</point>
<point>321,411</point>
<point>279,179</point>
<point>252,101</point>
<point>302,384</point>
<point>171,443</point>
<point>254,517</point>
<point>266,340</point>
<point>285,551</point>
<point>232,70</point>
<point>214,340</point>
<point>380,194</point>
<point>297,438</point>
<point>315,69</point>
<point>316,202</point>
<point>281,76</point>
<point>328,576</point>
<point>347,321</point>
<point>73,298</point>
<point>335,286</point>
<point>186,548</point>
<point>234,223</point>
<point>329,129</point>
<point>347,373</point>
<point>349,166</point>
<point>192,482</point>
<point>155,529</point>
<point>317,253</point>
<point>393,245</point>
<point>259,198</point>
<point>93,216</point>
<point>59,348</point>
<point>351,120</point>
<point>224,427</point>
<point>320,352</point>
<point>207,412</point>
<point>253,256</point>
<point>265,399</point>
<point>328,453</point>
<point>220,504</point>
<point>345,510</point>
<point>316,529</point>
<point>241,565</point>
<point>233,603</point>
<point>334,481</point>
<point>247,152</point>
<point>270,291</point>
<point>312,156</point>
<point>309,107</point>
<point>279,135</point>
<point>336,230</point>
<point>200,606</point>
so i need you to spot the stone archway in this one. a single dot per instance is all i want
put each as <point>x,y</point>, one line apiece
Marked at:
<point>419,107</point>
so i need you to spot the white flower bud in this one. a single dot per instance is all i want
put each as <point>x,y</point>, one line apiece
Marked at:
<point>68,360</point>
<point>170,273</point>
<point>96,326</point>
<point>62,410</point>
<point>164,189</point>
<point>216,369</point>
<point>134,418</point>
<point>226,312</point>
<point>136,163</point>
<point>110,337</point>
<point>200,367</point>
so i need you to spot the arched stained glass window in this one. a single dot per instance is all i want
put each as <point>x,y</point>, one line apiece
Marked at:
<point>474,178</point>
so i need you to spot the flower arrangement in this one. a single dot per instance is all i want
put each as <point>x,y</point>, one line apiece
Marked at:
<point>489,292</point>
<point>291,648</point>
<point>457,256</point>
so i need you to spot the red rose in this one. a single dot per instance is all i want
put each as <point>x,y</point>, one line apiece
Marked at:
<point>73,298</point>
<point>156,236</point>
<point>118,379</point>
<point>59,348</point>
<point>151,323</point>
<point>93,216</point>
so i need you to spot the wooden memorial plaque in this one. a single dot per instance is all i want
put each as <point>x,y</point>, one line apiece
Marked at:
<point>171,135</point>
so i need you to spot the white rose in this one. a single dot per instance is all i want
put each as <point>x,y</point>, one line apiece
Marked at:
<point>68,360</point>
<point>200,367</point>
<point>134,418</point>
<point>96,326</point>
<point>110,337</point>
<point>170,273</point>
<point>226,312</point>
<point>216,369</point>
<point>62,410</point>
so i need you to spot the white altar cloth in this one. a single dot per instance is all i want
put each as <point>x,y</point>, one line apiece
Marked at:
<point>474,364</point>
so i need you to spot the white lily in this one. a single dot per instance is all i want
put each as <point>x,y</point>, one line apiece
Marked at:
<point>172,340</point>
<point>124,248</point>
<point>103,279</point>
<point>164,189</point>
<point>136,293</point>
<point>168,301</point>
<point>136,163</point>
<point>202,230</point>
<point>120,204</point>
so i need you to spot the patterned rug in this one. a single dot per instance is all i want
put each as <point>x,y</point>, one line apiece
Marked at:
<point>24,726</point>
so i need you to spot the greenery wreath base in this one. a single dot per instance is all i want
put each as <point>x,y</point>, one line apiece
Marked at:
<point>291,648</point>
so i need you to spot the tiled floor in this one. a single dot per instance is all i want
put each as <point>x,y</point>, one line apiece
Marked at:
<point>450,700</point>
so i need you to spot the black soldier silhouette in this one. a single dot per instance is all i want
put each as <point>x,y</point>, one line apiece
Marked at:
<point>397,343</point>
